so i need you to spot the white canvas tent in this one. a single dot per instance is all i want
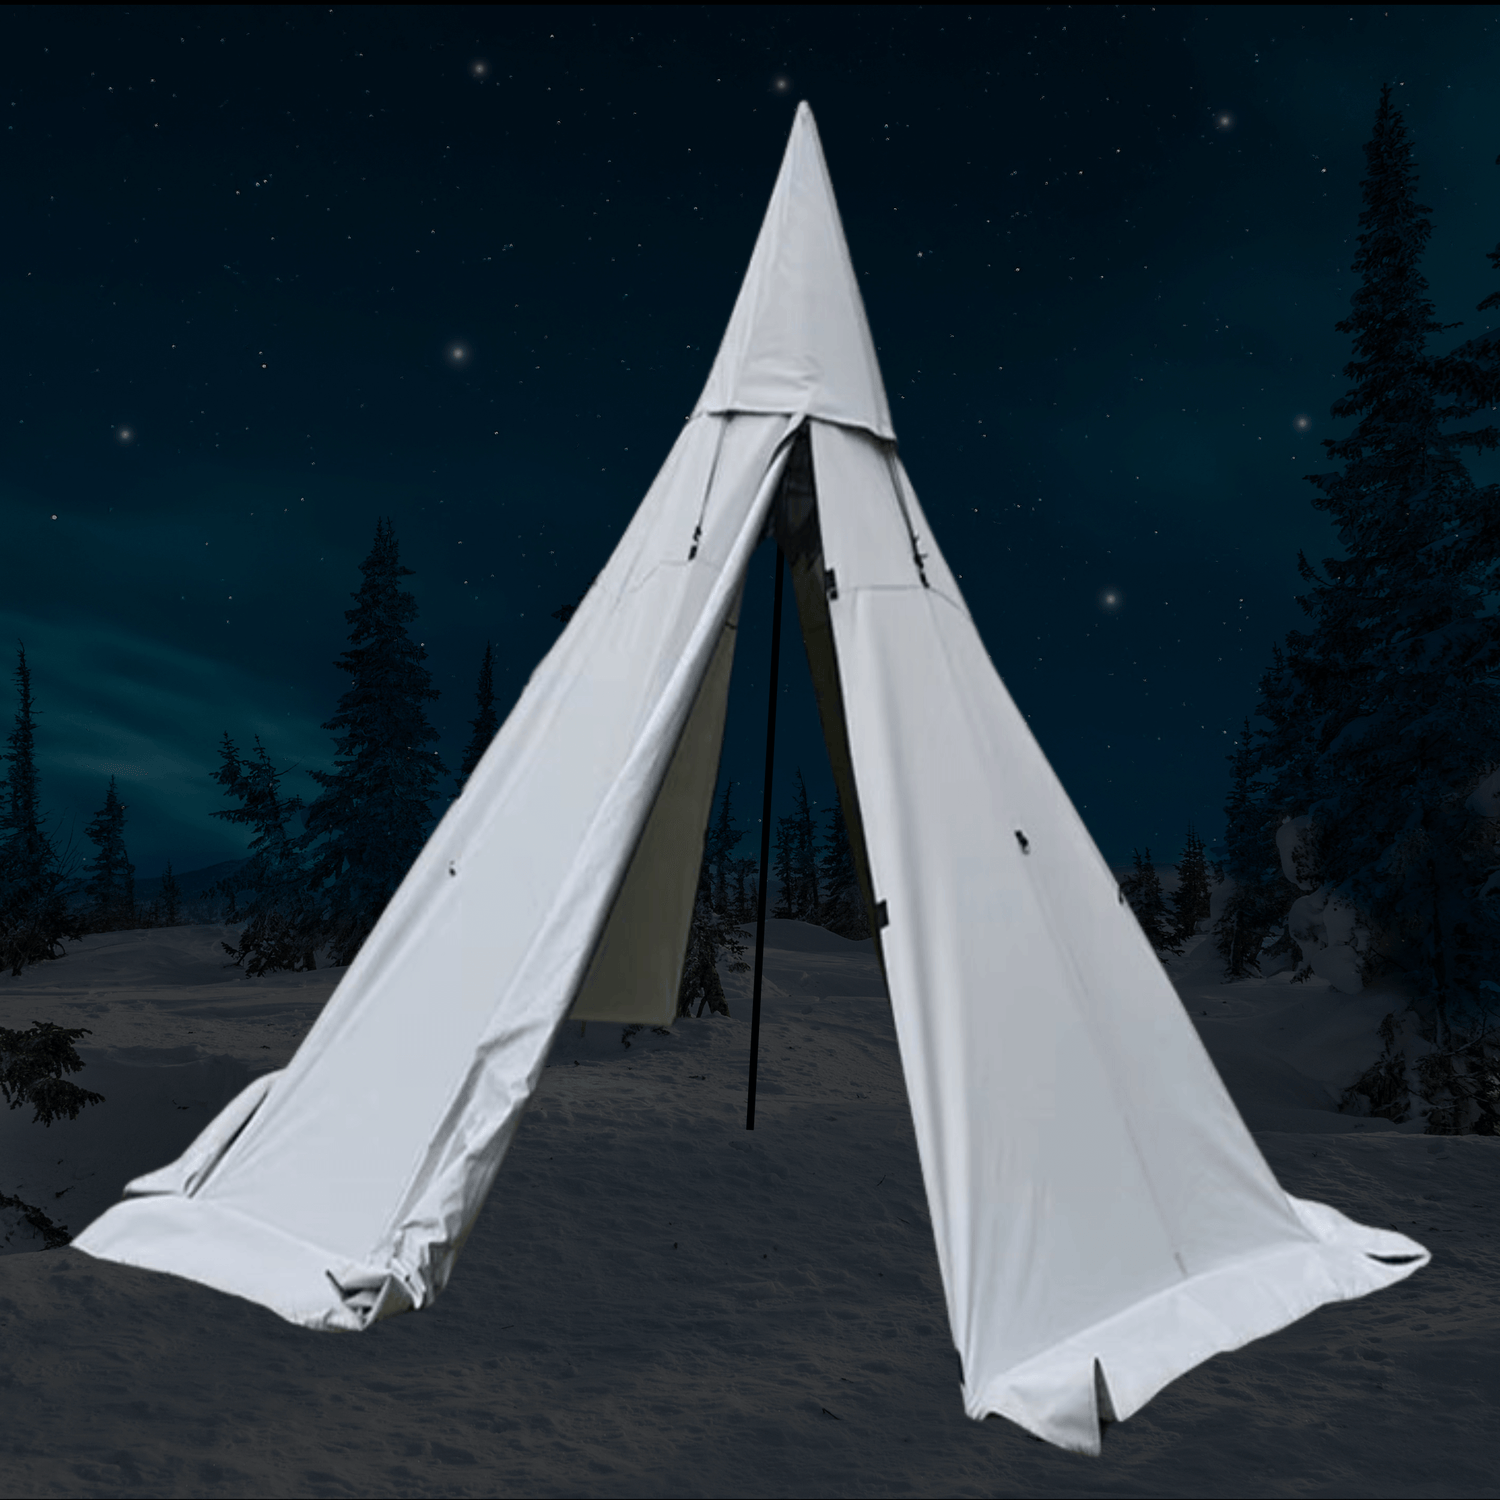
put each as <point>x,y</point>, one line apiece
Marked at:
<point>1104,1220</point>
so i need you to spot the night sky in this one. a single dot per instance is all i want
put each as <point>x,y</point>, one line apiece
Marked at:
<point>270,274</point>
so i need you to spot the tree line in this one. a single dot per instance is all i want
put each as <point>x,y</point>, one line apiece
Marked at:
<point>815,882</point>
<point>1363,821</point>
<point>48,892</point>
<point>318,874</point>
<point>1169,922</point>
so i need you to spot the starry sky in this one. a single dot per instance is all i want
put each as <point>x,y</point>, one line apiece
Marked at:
<point>271,273</point>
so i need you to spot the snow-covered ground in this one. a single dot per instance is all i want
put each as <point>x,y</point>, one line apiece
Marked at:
<point>655,1302</point>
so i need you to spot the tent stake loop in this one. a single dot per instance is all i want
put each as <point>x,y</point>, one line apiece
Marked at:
<point>765,843</point>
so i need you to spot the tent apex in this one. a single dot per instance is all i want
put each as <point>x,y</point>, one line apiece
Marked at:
<point>798,342</point>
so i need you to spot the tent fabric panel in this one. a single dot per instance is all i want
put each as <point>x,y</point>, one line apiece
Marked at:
<point>798,342</point>
<point>864,535</point>
<point>380,1139</point>
<point>636,971</point>
<point>377,1072</point>
<point>466,1148</point>
<point>1061,1097</point>
<point>1026,1162</point>
<point>1196,1136</point>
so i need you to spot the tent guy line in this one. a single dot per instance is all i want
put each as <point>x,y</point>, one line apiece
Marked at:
<point>1103,1219</point>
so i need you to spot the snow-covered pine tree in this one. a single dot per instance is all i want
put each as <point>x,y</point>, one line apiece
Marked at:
<point>111,886</point>
<point>843,905</point>
<point>1142,889</point>
<point>1190,901</point>
<point>1385,711</point>
<point>34,914</point>
<point>282,919</point>
<point>1257,904</point>
<point>371,819</point>
<point>485,721</point>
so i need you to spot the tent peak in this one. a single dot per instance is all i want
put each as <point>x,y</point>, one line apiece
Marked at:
<point>798,341</point>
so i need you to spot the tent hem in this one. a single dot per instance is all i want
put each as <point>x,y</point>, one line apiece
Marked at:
<point>235,1253</point>
<point>1147,1346</point>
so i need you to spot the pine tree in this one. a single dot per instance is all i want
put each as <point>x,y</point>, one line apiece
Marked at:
<point>231,776</point>
<point>1142,890</point>
<point>711,935</point>
<point>843,905</point>
<point>25,840</point>
<point>1191,899</point>
<point>1258,903</point>
<point>371,819</point>
<point>485,722</point>
<point>714,930</point>
<point>34,915</point>
<point>111,886</point>
<point>283,923</point>
<point>1385,710</point>
<point>169,902</point>
<point>718,858</point>
<point>797,860</point>
<point>784,867</point>
<point>745,888</point>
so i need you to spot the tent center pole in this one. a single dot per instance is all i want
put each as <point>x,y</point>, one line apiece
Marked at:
<point>765,843</point>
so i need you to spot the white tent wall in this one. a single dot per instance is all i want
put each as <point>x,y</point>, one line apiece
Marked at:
<point>1095,1196</point>
<point>364,1164</point>
<point>1103,1219</point>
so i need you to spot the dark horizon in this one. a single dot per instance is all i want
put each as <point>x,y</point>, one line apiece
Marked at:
<point>278,273</point>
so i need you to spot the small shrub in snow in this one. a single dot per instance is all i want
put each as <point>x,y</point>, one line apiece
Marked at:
<point>32,1064</point>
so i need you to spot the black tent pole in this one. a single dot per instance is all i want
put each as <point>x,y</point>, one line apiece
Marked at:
<point>765,844</point>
